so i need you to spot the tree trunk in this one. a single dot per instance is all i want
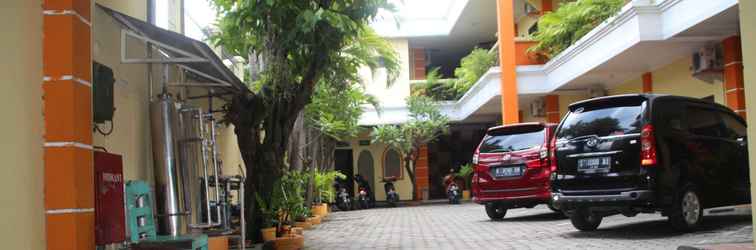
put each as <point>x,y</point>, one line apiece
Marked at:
<point>409,166</point>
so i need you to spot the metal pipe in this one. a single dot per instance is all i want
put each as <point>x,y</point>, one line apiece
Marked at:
<point>216,172</point>
<point>149,72</point>
<point>208,221</point>
<point>242,221</point>
<point>165,78</point>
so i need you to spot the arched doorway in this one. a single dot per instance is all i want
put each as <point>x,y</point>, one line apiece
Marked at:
<point>365,167</point>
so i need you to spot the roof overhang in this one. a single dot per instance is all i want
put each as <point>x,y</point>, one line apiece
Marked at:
<point>194,57</point>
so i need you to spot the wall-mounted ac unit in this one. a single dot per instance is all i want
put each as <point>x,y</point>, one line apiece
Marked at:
<point>596,91</point>
<point>708,64</point>
<point>538,107</point>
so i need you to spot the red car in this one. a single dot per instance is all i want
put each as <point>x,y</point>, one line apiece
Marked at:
<point>512,168</point>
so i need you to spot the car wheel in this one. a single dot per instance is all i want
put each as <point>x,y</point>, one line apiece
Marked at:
<point>495,212</point>
<point>688,211</point>
<point>585,220</point>
<point>553,208</point>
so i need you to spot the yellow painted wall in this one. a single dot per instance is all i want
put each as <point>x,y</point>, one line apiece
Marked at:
<point>403,186</point>
<point>674,79</point>
<point>375,82</point>
<point>131,133</point>
<point>21,176</point>
<point>748,36</point>
<point>565,99</point>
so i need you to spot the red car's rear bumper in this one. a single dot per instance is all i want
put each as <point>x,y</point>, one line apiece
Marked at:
<point>538,194</point>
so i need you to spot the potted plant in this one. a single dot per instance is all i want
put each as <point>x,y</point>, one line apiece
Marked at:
<point>269,219</point>
<point>289,193</point>
<point>323,181</point>
<point>465,173</point>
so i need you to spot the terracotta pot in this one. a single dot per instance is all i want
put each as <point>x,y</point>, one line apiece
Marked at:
<point>297,230</point>
<point>315,220</point>
<point>290,242</point>
<point>320,209</point>
<point>303,224</point>
<point>268,233</point>
<point>466,194</point>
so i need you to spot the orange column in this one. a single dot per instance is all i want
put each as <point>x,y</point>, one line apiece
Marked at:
<point>733,75</point>
<point>69,180</point>
<point>547,6</point>
<point>422,182</point>
<point>509,102</point>
<point>648,83</point>
<point>552,109</point>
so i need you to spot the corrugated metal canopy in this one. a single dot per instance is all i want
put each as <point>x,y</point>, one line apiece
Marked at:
<point>211,69</point>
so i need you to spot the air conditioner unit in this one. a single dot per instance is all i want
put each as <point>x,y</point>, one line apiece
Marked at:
<point>538,107</point>
<point>708,64</point>
<point>596,91</point>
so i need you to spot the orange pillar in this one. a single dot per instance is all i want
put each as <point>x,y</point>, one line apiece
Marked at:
<point>69,174</point>
<point>547,6</point>
<point>509,102</point>
<point>552,109</point>
<point>422,181</point>
<point>733,75</point>
<point>648,82</point>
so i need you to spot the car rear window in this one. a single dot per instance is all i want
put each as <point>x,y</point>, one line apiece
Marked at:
<point>616,117</point>
<point>498,142</point>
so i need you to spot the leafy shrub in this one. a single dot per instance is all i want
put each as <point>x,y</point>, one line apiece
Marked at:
<point>472,67</point>
<point>436,88</point>
<point>560,29</point>
<point>465,173</point>
<point>322,185</point>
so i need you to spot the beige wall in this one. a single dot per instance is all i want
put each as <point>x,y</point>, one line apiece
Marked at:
<point>674,79</point>
<point>375,82</point>
<point>21,176</point>
<point>403,186</point>
<point>131,132</point>
<point>748,36</point>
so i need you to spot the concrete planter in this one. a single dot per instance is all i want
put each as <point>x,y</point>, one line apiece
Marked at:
<point>268,233</point>
<point>303,224</point>
<point>466,195</point>
<point>315,220</point>
<point>320,209</point>
<point>289,242</point>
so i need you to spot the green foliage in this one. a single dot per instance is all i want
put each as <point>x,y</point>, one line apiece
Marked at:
<point>335,112</point>
<point>465,172</point>
<point>288,195</point>
<point>471,68</point>
<point>436,88</point>
<point>426,123</point>
<point>269,211</point>
<point>322,184</point>
<point>560,29</point>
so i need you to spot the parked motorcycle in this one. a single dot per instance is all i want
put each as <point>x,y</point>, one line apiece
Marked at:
<point>364,193</point>
<point>454,193</point>
<point>343,201</point>
<point>392,197</point>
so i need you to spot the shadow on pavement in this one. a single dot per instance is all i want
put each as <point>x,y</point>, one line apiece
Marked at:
<point>657,228</point>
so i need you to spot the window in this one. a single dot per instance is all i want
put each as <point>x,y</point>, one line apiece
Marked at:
<point>513,142</point>
<point>704,122</point>
<point>392,164</point>
<point>734,128</point>
<point>618,117</point>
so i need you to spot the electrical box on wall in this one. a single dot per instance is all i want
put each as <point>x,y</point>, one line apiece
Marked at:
<point>110,217</point>
<point>102,93</point>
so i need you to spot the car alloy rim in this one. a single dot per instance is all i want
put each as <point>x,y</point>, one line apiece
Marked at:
<point>691,208</point>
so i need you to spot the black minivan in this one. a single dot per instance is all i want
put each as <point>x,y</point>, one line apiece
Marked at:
<point>644,153</point>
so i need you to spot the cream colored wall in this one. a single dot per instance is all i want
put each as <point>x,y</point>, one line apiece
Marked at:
<point>674,79</point>
<point>21,177</point>
<point>131,133</point>
<point>376,83</point>
<point>403,186</point>
<point>134,8</point>
<point>565,99</point>
<point>748,36</point>
<point>523,24</point>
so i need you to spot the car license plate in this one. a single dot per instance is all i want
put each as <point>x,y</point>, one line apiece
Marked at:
<point>594,165</point>
<point>507,171</point>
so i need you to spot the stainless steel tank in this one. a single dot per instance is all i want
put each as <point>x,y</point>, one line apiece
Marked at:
<point>169,193</point>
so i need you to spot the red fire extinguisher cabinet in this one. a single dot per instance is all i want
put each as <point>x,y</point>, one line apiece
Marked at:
<point>109,199</point>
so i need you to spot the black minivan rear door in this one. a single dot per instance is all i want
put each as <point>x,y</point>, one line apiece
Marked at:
<point>598,145</point>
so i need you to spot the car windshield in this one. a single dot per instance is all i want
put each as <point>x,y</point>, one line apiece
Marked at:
<point>620,119</point>
<point>512,142</point>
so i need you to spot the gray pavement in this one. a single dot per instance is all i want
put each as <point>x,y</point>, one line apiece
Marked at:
<point>466,226</point>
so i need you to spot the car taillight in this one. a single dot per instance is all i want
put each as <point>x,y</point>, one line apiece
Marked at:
<point>475,158</point>
<point>648,146</point>
<point>552,155</point>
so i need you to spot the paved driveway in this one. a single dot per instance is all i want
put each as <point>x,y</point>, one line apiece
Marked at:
<point>467,227</point>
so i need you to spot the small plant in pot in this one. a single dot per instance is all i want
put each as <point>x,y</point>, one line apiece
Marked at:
<point>323,185</point>
<point>465,173</point>
<point>270,220</point>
